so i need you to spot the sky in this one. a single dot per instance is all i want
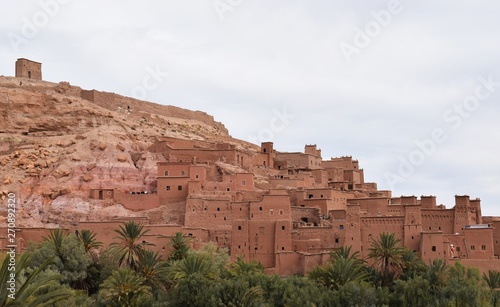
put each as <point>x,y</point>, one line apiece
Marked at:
<point>411,89</point>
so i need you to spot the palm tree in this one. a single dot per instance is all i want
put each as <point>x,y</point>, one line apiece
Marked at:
<point>436,274</point>
<point>242,268</point>
<point>26,292</point>
<point>124,288</point>
<point>492,279</point>
<point>180,245</point>
<point>129,248</point>
<point>153,269</point>
<point>343,268</point>
<point>412,264</point>
<point>493,282</point>
<point>387,257</point>
<point>91,245</point>
<point>194,263</point>
<point>56,238</point>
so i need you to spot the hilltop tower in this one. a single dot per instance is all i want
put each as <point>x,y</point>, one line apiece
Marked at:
<point>28,69</point>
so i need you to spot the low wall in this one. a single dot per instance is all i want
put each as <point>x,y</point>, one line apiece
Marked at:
<point>137,202</point>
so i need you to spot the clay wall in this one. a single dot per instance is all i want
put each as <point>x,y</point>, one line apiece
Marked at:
<point>432,246</point>
<point>428,202</point>
<point>373,206</point>
<point>102,193</point>
<point>353,176</point>
<point>335,174</point>
<point>438,220</point>
<point>340,162</point>
<point>173,169</point>
<point>479,242</point>
<point>288,263</point>
<point>320,177</point>
<point>24,236</point>
<point>298,160</point>
<point>112,101</point>
<point>315,239</point>
<point>271,207</point>
<point>137,202</point>
<point>261,242</point>
<point>240,239</point>
<point>495,222</point>
<point>372,227</point>
<point>319,203</point>
<point>462,212</point>
<point>221,237</point>
<point>208,213</point>
<point>412,226</point>
<point>283,235</point>
<point>172,188</point>
<point>310,261</point>
<point>305,215</point>
<point>28,69</point>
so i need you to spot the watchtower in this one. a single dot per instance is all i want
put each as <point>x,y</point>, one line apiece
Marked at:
<point>28,69</point>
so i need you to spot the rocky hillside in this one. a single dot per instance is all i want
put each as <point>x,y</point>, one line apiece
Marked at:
<point>57,141</point>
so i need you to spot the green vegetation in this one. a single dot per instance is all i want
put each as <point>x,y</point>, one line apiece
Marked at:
<point>76,270</point>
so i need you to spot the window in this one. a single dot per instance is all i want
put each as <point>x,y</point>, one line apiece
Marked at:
<point>336,240</point>
<point>472,247</point>
<point>282,227</point>
<point>218,209</point>
<point>228,189</point>
<point>166,173</point>
<point>243,182</point>
<point>197,176</point>
<point>483,247</point>
<point>341,227</point>
<point>321,196</point>
<point>179,188</point>
<point>182,173</point>
<point>260,208</point>
<point>167,188</point>
<point>433,248</point>
<point>310,196</point>
<point>271,212</point>
<point>282,248</point>
<point>281,211</point>
<point>458,248</point>
<point>239,227</point>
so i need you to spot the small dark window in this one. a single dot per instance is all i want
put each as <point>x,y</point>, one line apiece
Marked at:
<point>197,176</point>
<point>166,173</point>
<point>282,227</point>
<point>179,188</point>
<point>260,208</point>
<point>336,240</point>
<point>239,227</point>
<point>433,248</point>
<point>458,248</point>
<point>182,173</point>
<point>483,247</point>
<point>228,189</point>
<point>341,227</point>
<point>167,188</point>
<point>282,248</point>
<point>218,209</point>
<point>472,247</point>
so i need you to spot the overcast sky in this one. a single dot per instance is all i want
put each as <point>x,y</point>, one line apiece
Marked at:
<point>409,88</point>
